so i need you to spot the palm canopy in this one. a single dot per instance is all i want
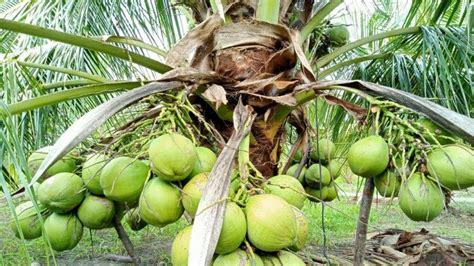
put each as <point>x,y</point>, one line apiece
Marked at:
<point>93,50</point>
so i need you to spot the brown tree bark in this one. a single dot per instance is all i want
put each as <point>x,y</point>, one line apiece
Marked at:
<point>363,222</point>
<point>125,239</point>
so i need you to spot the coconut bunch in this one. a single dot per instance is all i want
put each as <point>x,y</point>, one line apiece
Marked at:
<point>319,178</point>
<point>60,194</point>
<point>267,228</point>
<point>418,166</point>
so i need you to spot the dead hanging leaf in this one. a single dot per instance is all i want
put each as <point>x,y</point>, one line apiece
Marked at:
<point>287,99</point>
<point>355,110</point>
<point>216,94</point>
<point>194,76</point>
<point>185,52</point>
<point>281,61</point>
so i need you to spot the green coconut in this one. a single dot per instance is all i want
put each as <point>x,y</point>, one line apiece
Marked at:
<point>271,222</point>
<point>234,229</point>
<point>430,130</point>
<point>317,195</point>
<point>292,171</point>
<point>331,192</point>
<point>282,258</point>
<point>61,192</point>
<point>63,231</point>
<point>28,221</point>
<point>323,150</point>
<point>96,212</point>
<point>335,168</point>
<point>122,179</point>
<point>302,228</point>
<point>298,155</point>
<point>91,170</point>
<point>238,258</point>
<point>180,247</point>
<point>287,188</point>
<point>420,198</point>
<point>317,175</point>
<point>387,184</point>
<point>133,219</point>
<point>173,156</point>
<point>67,164</point>
<point>338,35</point>
<point>453,166</point>
<point>368,157</point>
<point>160,203</point>
<point>205,161</point>
<point>192,193</point>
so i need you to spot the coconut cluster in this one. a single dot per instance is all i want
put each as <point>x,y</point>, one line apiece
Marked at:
<point>318,179</point>
<point>60,194</point>
<point>257,233</point>
<point>420,191</point>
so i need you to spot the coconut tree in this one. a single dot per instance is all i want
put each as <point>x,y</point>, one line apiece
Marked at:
<point>246,74</point>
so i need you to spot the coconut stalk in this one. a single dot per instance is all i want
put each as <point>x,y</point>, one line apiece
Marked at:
<point>125,239</point>
<point>363,221</point>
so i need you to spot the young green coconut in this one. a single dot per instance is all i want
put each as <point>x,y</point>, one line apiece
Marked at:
<point>331,192</point>
<point>292,171</point>
<point>452,165</point>
<point>287,188</point>
<point>323,150</point>
<point>368,157</point>
<point>317,175</point>
<point>91,170</point>
<point>302,228</point>
<point>282,258</point>
<point>67,164</point>
<point>63,231</point>
<point>160,203</point>
<point>180,247</point>
<point>335,168</point>
<point>192,193</point>
<point>388,184</point>
<point>238,257</point>
<point>205,161</point>
<point>271,222</point>
<point>234,229</point>
<point>338,35</point>
<point>122,179</point>
<point>28,221</point>
<point>420,198</point>
<point>173,156</point>
<point>96,212</point>
<point>62,192</point>
<point>317,194</point>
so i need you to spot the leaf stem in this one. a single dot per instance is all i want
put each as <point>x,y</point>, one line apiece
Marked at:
<point>329,57</point>
<point>318,17</point>
<point>64,70</point>
<point>356,60</point>
<point>67,95</point>
<point>84,42</point>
